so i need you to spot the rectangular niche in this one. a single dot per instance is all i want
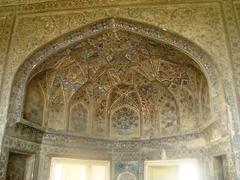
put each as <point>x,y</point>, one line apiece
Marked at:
<point>219,165</point>
<point>20,166</point>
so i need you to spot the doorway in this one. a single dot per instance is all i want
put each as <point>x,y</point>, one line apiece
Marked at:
<point>20,166</point>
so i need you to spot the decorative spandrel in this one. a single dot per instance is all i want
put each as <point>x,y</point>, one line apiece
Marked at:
<point>122,85</point>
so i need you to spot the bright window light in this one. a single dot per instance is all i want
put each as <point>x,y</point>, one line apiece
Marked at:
<point>58,172</point>
<point>98,173</point>
<point>75,172</point>
<point>74,169</point>
<point>186,169</point>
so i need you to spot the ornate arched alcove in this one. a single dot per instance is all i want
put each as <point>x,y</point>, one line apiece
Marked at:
<point>117,78</point>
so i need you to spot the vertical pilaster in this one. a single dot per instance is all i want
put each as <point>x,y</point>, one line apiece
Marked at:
<point>233,36</point>
<point>5,40</point>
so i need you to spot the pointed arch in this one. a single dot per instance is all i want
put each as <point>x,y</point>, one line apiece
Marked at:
<point>202,59</point>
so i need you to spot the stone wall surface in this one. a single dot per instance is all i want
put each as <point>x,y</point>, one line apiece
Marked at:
<point>214,25</point>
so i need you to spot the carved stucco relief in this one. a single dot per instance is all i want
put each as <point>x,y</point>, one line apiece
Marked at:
<point>237,10</point>
<point>186,20</point>
<point>236,45</point>
<point>232,16</point>
<point>3,43</point>
<point>81,2</point>
<point>14,2</point>
<point>173,152</point>
<point>2,20</point>
<point>28,6</point>
<point>2,23</point>
<point>134,86</point>
<point>6,24</point>
<point>47,26</point>
<point>5,36</point>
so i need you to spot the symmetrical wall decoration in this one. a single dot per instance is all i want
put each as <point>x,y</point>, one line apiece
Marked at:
<point>126,170</point>
<point>149,90</point>
<point>118,84</point>
<point>125,121</point>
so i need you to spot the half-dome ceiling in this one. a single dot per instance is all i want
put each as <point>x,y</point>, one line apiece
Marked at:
<point>120,85</point>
